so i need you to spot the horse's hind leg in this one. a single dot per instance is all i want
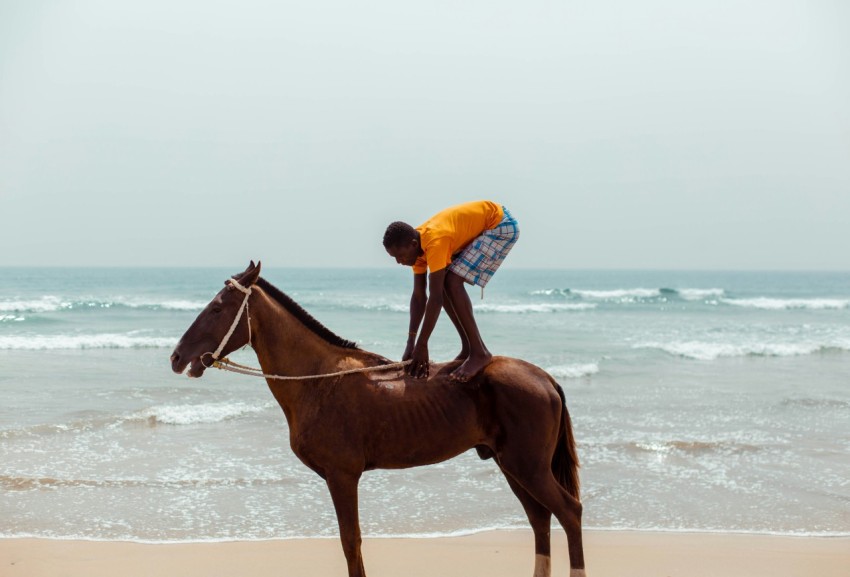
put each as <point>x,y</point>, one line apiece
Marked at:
<point>541,520</point>
<point>535,476</point>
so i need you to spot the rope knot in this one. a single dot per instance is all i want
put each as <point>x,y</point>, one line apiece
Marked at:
<point>233,282</point>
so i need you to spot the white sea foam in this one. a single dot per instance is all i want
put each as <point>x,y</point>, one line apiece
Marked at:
<point>10,318</point>
<point>708,351</point>
<point>533,307</point>
<point>573,371</point>
<point>694,294</point>
<point>617,294</point>
<point>41,305</point>
<point>199,414</point>
<point>175,305</point>
<point>97,341</point>
<point>383,306</point>
<point>284,535</point>
<point>688,294</point>
<point>49,304</point>
<point>551,292</point>
<point>775,304</point>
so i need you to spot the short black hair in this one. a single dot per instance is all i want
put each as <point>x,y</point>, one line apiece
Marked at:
<point>398,233</point>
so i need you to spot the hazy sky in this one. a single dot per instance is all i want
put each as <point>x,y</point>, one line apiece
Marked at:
<point>621,134</point>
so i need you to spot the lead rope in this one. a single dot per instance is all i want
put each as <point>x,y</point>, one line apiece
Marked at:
<point>226,364</point>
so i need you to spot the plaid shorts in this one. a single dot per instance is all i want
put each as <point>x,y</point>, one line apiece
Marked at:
<point>477,262</point>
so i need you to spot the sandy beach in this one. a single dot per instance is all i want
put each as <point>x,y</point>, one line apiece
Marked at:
<point>492,554</point>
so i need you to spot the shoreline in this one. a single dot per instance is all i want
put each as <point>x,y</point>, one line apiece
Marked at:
<point>499,553</point>
<point>423,536</point>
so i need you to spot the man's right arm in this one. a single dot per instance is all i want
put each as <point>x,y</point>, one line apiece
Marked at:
<point>417,310</point>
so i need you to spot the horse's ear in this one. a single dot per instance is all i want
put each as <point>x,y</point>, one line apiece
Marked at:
<point>251,274</point>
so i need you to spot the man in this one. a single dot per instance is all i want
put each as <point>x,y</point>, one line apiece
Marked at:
<point>464,243</point>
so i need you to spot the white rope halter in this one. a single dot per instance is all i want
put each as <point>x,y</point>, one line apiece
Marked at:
<point>228,365</point>
<point>242,308</point>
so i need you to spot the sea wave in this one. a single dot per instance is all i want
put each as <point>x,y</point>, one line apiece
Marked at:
<point>180,414</point>
<point>95,341</point>
<point>692,447</point>
<point>550,292</point>
<point>695,294</point>
<point>816,403</point>
<point>173,305</point>
<point>775,304</point>
<point>520,308</point>
<point>24,483</point>
<point>43,304</point>
<point>51,303</point>
<point>381,306</point>
<point>627,295</point>
<point>75,426</point>
<point>510,308</point>
<point>618,294</point>
<point>11,318</point>
<point>573,371</point>
<point>204,413</point>
<point>709,351</point>
<point>694,529</point>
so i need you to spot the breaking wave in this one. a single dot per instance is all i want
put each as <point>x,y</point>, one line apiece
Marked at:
<point>205,413</point>
<point>50,303</point>
<point>633,294</point>
<point>533,307</point>
<point>96,341</point>
<point>573,371</point>
<point>774,304</point>
<point>707,351</point>
<point>176,414</point>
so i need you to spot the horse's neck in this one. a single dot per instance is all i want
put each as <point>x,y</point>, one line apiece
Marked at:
<point>284,346</point>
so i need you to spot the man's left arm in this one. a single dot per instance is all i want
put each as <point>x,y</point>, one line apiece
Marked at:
<point>433,307</point>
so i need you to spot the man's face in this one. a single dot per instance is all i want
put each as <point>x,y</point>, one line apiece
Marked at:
<point>405,254</point>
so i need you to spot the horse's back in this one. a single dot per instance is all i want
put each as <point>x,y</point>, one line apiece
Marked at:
<point>399,421</point>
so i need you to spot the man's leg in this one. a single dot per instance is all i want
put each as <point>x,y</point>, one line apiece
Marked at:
<point>464,341</point>
<point>479,356</point>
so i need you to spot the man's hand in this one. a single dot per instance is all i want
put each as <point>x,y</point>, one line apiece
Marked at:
<point>408,353</point>
<point>419,367</point>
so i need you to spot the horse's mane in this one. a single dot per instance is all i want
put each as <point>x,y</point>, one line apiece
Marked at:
<point>306,318</point>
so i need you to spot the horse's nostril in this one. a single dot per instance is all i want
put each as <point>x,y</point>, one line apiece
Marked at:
<point>175,357</point>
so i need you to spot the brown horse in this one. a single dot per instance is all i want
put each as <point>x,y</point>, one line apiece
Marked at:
<point>340,426</point>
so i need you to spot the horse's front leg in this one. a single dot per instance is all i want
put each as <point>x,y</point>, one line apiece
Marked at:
<point>343,488</point>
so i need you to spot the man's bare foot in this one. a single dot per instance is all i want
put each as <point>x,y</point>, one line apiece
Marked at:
<point>471,367</point>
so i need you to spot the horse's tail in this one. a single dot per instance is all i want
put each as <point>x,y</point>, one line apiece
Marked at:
<point>565,461</point>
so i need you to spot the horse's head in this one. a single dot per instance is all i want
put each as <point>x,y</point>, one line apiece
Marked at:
<point>208,332</point>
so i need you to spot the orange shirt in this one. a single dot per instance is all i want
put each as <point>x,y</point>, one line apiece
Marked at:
<point>447,232</point>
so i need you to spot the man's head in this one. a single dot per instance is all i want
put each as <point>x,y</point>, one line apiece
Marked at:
<point>402,243</point>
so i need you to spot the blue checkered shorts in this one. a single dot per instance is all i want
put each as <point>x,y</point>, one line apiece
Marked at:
<point>477,262</point>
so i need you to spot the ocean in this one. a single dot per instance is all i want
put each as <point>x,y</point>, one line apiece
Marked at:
<point>701,401</point>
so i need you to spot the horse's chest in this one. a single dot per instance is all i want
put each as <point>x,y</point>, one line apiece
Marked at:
<point>321,443</point>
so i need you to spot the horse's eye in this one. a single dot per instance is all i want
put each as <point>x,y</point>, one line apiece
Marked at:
<point>216,310</point>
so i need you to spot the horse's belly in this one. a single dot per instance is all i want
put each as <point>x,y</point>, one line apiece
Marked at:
<point>404,439</point>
